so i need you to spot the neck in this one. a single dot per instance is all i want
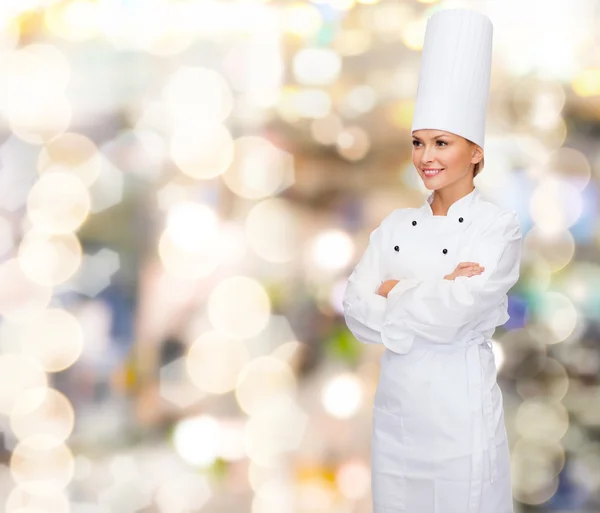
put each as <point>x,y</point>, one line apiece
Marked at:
<point>444,198</point>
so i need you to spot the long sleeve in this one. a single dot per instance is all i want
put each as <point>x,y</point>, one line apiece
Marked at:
<point>364,309</point>
<point>441,310</point>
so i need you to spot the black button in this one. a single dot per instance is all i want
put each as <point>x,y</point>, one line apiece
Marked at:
<point>396,248</point>
<point>460,219</point>
<point>414,223</point>
<point>444,251</point>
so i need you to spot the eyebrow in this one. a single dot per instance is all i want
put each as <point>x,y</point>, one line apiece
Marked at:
<point>436,137</point>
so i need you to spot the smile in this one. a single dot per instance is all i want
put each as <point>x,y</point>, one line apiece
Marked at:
<point>432,172</point>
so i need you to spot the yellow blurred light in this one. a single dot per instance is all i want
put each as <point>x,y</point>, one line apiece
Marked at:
<point>352,42</point>
<point>42,459</point>
<point>58,203</point>
<point>343,396</point>
<point>587,82</point>
<point>263,383</point>
<point>259,168</point>
<point>414,34</point>
<point>559,315</point>
<point>572,166</point>
<point>272,231</point>
<point>21,297</point>
<point>42,411</point>
<point>49,259</point>
<point>75,20</point>
<point>71,153</point>
<point>214,362</point>
<point>401,113</point>
<point>192,226</point>
<point>202,150</point>
<point>197,440</point>
<point>239,307</point>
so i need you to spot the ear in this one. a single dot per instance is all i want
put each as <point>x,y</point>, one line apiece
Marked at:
<point>477,155</point>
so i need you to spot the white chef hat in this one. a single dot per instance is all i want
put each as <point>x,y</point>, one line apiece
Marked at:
<point>454,79</point>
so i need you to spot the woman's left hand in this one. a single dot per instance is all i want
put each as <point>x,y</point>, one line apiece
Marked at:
<point>386,286</point>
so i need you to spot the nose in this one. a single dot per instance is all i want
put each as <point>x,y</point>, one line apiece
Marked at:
<point>427,155</point>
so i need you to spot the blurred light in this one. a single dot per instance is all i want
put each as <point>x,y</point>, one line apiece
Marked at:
<point>176,386</point>
<point>326,130</point>
<point>342,5</point>
<point>259,168</point>
<point>359,100</point>
<point>542,420</point>
<point>316,66</point>
<point>42,411</point>
<point>214,362</point>
<point>275,494</point>
<point>555,205</point>
<point>551,382</point>
<point>304,103</point>
<point>557,312</point>
<point>191,245</point>
<point>354,479</point>
<point>43,460</point>
<point>301,19</point>
<point>239,307</point>
<point>413,34</point>
<point>37,497</point>
<point>272,231</point>
<point>232,439</point>
<point>264,383</point>
<point>332,250</point>
<point>201,149</point>
<point>107,190</point>
<point>49,259</point>
<point>21,297</point>
<point>342,396</point>
<point>557,250</point>
<point>587,82</point>
<point>53,339</point>
<point>6,236</point>
<point>351,42</point>
<point>17,375</point>
<point>58,203</point>
<point>71,153</point>
<point>275,430</point>
<point>196,93</point>
<point>572,166</point>
<point>197,440</point>
<point>535,466</point>
<point>74,21</point>
<point>184,491</point>
<point>353,143</point>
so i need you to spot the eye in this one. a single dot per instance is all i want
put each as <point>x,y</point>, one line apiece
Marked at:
<point>415,142</point>
<point>443,142</point>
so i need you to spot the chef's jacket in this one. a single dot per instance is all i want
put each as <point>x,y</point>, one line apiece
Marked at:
<point>438,415</point>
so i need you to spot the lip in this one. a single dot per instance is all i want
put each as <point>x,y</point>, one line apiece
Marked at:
<point>434,175</point>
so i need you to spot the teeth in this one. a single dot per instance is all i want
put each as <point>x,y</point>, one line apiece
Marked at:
<point>431,172</point>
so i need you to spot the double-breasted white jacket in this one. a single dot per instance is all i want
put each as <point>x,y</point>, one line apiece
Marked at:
<point>439,440</point>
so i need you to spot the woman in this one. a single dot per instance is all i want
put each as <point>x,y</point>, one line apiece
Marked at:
<point>432,287</point>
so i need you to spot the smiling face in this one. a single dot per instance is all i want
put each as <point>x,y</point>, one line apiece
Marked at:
<point>443,158</point>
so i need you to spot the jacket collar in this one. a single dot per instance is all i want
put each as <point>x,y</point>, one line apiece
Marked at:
<point>458,209</point>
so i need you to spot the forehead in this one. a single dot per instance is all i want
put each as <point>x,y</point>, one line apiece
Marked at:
<point>429,133</point>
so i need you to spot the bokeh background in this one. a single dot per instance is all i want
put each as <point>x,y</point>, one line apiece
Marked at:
<point>185,187</point>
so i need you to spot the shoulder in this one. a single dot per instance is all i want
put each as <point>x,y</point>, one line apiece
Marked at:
<point>497,221</point>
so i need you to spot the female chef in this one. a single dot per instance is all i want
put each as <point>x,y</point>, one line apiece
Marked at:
<point>432,288</point>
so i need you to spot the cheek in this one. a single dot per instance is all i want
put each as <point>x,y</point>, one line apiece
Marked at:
<point>454,158</point>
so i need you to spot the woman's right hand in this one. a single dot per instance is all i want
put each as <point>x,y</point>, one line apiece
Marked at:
<point>465,269</point>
